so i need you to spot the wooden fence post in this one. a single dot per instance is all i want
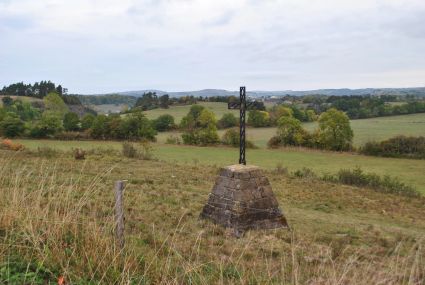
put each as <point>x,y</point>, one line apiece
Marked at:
<point>119,213</point>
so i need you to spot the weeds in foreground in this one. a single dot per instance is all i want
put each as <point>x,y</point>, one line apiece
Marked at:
<point>62,225</point>
<point>357,177</point>
<point>142,150</point>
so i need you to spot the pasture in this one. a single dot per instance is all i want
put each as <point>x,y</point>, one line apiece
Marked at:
<point>365,130</point>
<point>382,128</point>
<point>178,112</point>
<point>408,170</point>
<point>57,220</point>
<point>23,98</point>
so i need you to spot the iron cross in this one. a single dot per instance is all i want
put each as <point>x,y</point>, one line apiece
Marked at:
<point>241,105</point>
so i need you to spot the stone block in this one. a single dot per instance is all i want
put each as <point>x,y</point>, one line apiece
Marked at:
<point>242,198</point>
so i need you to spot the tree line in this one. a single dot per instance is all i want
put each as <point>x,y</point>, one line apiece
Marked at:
<point>55,120</point>
<point>199,127</point>
<point>39,90</point>
<point>367,106</point>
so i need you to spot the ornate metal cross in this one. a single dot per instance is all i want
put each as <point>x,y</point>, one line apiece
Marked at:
<point>241,105</point>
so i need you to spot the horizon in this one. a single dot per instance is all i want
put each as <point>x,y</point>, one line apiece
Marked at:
<point>92,48</point>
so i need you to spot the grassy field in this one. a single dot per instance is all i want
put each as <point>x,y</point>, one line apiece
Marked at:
<point>23,98</point>
<point>178,112</point>
<point>384,127</point>
<point>409,171</point>
<point>57,220</point>
<point>364,130</point>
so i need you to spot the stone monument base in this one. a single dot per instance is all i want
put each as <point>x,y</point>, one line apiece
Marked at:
<point>242,199</point>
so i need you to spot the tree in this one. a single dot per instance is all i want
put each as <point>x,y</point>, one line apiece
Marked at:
<point>71,122</point>
<point>7,101</point>
<point>114,127</point>
<point>11,126</point>
<point>3,114</point>
<point>59,90</point>
<point>278,111</point>
<point>258,119</point>
<point>164,123</point>
<point>191,120</point>
<point>87,121</point>
<point>299,114</point>
<point>208,132</point>
<point>199,127</point>
<point>290,131</point>
<point>232,138</point>
<point>164,101</point>
<point>311,115</point>
<point>148,101</point>
<point>137,126</point>
<point>99,128</point>
<point>335,132</point>
<point>25,110</point>
<point>49,125</point>
<point>227,121</point>
<point>54,103</point>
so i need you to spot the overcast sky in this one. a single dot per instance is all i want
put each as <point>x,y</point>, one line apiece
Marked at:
<point>95,46</point>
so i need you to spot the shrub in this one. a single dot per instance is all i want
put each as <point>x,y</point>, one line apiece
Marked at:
<point>258,119</point>
<point>386,183</point>
<point>199,127</point>
<point>129,150</point>
<point>172,139</point>
<point>87,121</point>
<point>278,111</point>
<point>7,101</point>
<point>399,146</point>
<point>142,150</point>
<point>227,121</point>
<point>99,127</point>
<point>10,145</point>
<point>335,132</point>
<point>290,131</point>
<point>232,138</point>
<point>305,173</point>
<point>50,124</point>
<point>79,154</point>
<point>71,122</point>
<point>164,123</point>
<point>137,126</point>
<point>145,151</point>
<point>11,126</point>
<point>274,142</point>
<point>280,169</point>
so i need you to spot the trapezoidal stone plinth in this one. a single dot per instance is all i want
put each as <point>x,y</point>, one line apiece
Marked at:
<point>242,199</point>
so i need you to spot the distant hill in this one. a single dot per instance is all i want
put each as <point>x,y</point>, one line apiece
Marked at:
<point>419,91</point>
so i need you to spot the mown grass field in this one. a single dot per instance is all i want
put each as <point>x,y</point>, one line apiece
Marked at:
<point>408,170</point>
<point>364,130</point>
<point>57,220</point>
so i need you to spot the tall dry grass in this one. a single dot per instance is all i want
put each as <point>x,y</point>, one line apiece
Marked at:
<point>63,223</point>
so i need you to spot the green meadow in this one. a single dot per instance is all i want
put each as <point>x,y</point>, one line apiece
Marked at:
<point>364,130</point>
<point>178,112</point>
<point>408,170</point>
